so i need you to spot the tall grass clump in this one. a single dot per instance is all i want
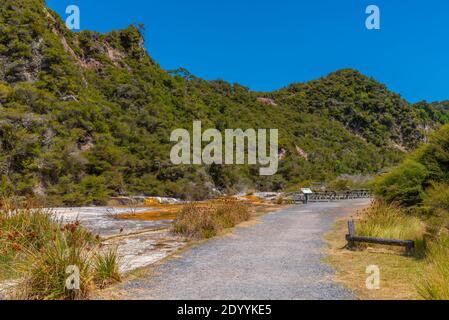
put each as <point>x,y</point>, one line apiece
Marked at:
<point>21,231</point>
<point>36,250</point>
<point>44,272</point>
<point>106,268</point>
<point>433,283</point>
<point>389,221</point>
<point>199,220</point>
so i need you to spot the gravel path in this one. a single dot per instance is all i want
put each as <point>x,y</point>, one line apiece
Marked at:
<point>279,258</point>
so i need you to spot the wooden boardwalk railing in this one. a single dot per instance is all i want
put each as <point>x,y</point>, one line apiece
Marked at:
<point>331,196</point>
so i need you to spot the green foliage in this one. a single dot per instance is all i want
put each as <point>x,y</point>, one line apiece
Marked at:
<point>404,184</point>
<point>87,115</point>
<point>407,183</point>
<point>422,182</point>
<point>340,185</point>
<point>364,106</point>
<point>437,197</point>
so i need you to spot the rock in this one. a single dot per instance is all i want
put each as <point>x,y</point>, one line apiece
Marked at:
<point>162,200</point>
<point>302,153</point>
<point>282,154</point>
<point>267,101</point>
<point>69,98</point>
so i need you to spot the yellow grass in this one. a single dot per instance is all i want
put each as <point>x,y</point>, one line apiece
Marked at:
<point>433,281</point>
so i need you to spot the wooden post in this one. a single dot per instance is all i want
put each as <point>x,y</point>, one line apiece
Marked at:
<point>351,233</point>
<point>409,248</point>
<point>351,228</point>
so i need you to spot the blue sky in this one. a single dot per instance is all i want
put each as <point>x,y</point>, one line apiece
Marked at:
<point>267,44</point>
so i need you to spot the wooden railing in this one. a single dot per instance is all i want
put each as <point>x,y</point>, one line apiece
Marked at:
<point>330,196</point>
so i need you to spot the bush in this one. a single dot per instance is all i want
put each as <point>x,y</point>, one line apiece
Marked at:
<point>199,220</point>
<point>429,164</point>
<point>231,213</point>
<point>341,185</point>
<point>437,197</point>
<point>404,185</point>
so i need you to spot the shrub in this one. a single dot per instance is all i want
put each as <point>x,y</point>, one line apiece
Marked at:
<point>437,197</point>
<point>195,221</point>
<point>340,185</point>
<point>21,230</point>
<point>229,214</point>
<point>404,184</point>
<point>199,220</point>
<point>429,164</point>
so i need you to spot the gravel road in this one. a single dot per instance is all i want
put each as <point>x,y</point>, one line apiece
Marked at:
<point>278,258</point>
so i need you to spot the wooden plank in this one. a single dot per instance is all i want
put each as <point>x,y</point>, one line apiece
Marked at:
<point>388,242</point>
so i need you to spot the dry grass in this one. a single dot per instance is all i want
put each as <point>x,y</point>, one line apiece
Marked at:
<point>171,211</point>
<point>389,221</point>
<point>201,221</point>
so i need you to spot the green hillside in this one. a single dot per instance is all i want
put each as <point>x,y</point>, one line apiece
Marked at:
<point>84,116</point>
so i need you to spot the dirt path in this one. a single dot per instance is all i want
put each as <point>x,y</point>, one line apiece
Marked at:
<point>279,258</point>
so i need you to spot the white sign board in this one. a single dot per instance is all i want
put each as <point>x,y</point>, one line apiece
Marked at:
<point>306,191</point>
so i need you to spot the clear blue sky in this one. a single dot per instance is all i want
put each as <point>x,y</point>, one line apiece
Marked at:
<point>267,44</point>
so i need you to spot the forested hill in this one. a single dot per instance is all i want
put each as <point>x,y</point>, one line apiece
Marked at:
<point>85,115</point>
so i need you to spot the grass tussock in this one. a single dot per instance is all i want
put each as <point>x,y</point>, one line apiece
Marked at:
<point>201,221</point>
<point>38,251</point>
<point>389,221</point>
<point>433,283</point>
<point>106,268</point>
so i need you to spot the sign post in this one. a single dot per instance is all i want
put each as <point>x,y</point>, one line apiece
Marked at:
<point>306,192</point>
